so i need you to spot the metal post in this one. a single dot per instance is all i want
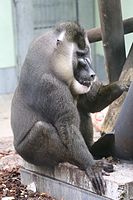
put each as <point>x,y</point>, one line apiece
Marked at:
<point>112,36</point>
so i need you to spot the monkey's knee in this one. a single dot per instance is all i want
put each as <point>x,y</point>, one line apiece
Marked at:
<point>39,144</point>
<point>39,135</point>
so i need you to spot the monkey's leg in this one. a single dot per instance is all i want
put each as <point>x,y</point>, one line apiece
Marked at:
<point>86,127</point>
<point>78,154</point>
<point>42,145</point>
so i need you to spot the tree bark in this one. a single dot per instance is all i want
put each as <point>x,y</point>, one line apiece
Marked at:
<point>115,107</point>
<point>113,37</point>
<point>94,34</point>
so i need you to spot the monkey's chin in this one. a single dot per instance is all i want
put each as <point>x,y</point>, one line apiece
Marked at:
<point>78,88</point>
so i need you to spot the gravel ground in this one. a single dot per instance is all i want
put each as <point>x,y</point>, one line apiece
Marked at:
<point>12,189</point>
<point>10,183</point>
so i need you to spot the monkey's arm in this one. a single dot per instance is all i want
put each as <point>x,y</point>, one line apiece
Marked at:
<point>100,96</point>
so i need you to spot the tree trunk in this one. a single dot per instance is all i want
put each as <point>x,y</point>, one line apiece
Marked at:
<point>115,107</point>
<point>112,32</point>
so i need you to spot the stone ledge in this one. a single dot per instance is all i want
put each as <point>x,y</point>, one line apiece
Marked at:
<point>58,189</point>
<point>68,180</point>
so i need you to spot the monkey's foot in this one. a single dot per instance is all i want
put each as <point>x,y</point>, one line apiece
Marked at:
<point>95,175</point>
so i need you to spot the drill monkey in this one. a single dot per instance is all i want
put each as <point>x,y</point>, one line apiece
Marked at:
<point>56,92</point>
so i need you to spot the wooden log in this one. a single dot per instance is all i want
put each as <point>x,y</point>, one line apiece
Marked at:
<point>66,182</point>
<point>115,107</point>
<point>94,34</point>
<point>124,129</point>
<point>128,25</point>
<point>113,37</point>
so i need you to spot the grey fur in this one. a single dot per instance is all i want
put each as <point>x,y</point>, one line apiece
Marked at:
<point>48,126</point>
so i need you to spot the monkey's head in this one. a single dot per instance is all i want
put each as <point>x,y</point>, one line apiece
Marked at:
<point>64,53</point>
<point>72,57</point>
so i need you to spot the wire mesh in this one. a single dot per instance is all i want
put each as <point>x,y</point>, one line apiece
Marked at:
<point>47,13</point>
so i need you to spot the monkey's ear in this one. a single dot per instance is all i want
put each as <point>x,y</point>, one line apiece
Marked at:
<point>58,42</point>
<point>60,38</point>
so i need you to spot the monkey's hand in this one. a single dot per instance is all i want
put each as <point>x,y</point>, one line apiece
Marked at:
<point>95,173</point>
<point>106,166</point>
<point>124,85</point>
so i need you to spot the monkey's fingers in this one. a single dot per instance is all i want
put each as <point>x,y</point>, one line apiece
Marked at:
<point>106,166</point>
<point>105,173</point>
<point>126,88</point>
<point>97,181</point>
<point>125,85</point>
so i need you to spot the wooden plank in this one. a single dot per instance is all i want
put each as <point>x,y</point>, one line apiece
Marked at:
<point>94,34</point>
<point>67,182</point>
<point>58,189</point>
<point>113,37</point>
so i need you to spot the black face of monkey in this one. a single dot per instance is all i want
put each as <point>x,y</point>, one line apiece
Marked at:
<point>84,73</point>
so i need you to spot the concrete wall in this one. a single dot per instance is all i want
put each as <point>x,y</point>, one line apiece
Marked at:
<point>7,52</point>
<point>7,56</point>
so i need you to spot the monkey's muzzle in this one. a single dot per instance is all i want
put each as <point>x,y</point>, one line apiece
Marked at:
<point>84,73</point>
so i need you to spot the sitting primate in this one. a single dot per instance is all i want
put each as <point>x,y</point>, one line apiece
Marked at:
<point>56,92</point>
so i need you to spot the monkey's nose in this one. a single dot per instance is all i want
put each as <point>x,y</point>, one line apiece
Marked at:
<point>92,77</point>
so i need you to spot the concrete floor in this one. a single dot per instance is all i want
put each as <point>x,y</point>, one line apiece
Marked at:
<point>5,111</point>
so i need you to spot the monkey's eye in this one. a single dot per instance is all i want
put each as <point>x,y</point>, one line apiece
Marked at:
<point>58,42</point>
